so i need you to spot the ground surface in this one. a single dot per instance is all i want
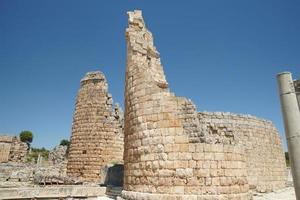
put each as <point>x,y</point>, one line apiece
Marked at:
<point>284,194</point>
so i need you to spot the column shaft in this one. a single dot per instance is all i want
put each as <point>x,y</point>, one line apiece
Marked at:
<point>291,117</point>
<point>297,89</point>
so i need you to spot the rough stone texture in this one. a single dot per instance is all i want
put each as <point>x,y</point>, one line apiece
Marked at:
<point>166,156</point>
<point>97,137</point>
<point>265,161</point>
<point>12,149</point>
<point>5,144</point>
<point>58,154</point>
<point>18,150</point>
<point>282,194</point>
<point>26,174</point>
<point>57,192</point>
<point>16,174</point>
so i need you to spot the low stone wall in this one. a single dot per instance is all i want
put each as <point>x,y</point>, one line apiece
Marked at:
<point>18,151</point>
<point>190,171</point>
<point>12,149</point>
<point>265,161</point>
<point>53,192</point>
<point>5,145</point>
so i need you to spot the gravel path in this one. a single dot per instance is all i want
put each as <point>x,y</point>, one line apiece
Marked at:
<point>284,194</point>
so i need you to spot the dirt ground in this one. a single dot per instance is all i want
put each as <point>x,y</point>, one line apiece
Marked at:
<point>284,194</point>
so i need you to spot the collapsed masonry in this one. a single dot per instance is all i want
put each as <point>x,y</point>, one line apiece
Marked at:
<point>173,152</point>
<point>44,172</point>
<point>12,149</point>
<point>97,135</point>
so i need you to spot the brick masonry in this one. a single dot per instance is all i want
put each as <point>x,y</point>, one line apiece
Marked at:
<point>97,136</point>
<point>12,149</point>
<point>5,144</point>
<point>265,161</point>
<point>165,153</point>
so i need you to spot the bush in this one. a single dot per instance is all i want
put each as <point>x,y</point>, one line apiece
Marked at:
<point>64,142</point>
<point>35,152</point>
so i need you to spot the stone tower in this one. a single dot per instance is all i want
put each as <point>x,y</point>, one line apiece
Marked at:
<point>166,155</point>
<point>97,137</point>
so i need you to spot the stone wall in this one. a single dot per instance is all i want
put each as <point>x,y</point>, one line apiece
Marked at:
<point>58,154</point>
<point>18,150</point>
<point>165,153</point>
<point>12,149</point>
<point>266,168</point>
<point>5,144</point>
<point>97,136</point>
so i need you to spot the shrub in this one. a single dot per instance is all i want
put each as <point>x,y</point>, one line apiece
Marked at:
<point>35,152</point>
<point>64,142</point>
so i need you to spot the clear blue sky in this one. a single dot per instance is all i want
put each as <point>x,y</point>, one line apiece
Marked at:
<point>224,55</point>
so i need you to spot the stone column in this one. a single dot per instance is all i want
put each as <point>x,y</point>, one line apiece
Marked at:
<point>297,89</point>
<point>291,117</point>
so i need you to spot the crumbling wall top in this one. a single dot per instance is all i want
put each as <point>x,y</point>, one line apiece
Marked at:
<point>135,18</point>
<point>6,138</point>
<point>141,46</point>
<point>235,115</point>
<point>95,76</point>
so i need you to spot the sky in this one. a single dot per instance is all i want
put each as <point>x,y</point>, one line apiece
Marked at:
<point>223,55</point>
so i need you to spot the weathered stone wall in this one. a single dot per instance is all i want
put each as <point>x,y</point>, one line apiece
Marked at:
<point>12,149</point>
<point>165,154</point>
<point>5,144</point>
<point>58,154</point>
<point>266,168</point>
<point>97,137</point>
<point>18,150</point>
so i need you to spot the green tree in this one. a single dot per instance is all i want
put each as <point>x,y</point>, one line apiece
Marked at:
<point>64,142</point>
<point>27,137</point>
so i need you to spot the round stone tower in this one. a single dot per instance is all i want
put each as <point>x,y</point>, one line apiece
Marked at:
<point>97,138</point>
<point>165,153</point>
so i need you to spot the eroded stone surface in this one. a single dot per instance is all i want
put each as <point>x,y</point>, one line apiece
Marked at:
<point>282,194</point>
<point>58,154</point>
<point>97,137</point>
<point>265,161</point>
<point>13,174</point>
<point>12,149</point>
<point>57,192</point>
<point>166,155</point>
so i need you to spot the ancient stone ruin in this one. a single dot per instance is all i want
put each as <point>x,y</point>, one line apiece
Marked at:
<point>169,149</point>
<point>173,152</point>
<point>12,149</point>
<point>259,138</point>
<point>97,137</point>
<point>19,173</point>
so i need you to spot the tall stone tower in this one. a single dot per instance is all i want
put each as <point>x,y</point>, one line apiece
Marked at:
<point>97,137</point>
<point>165,154</point>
